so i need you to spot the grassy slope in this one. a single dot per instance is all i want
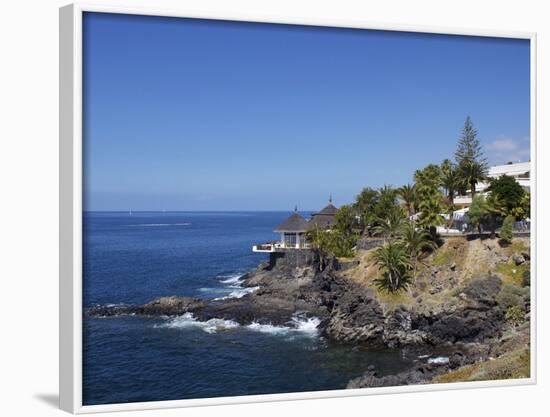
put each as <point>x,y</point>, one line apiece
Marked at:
<point>513,365</point>
<point>469,259</point>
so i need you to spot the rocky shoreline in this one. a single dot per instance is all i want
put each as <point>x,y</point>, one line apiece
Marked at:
<point>467,329</point>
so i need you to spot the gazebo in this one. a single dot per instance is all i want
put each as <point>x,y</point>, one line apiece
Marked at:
<point>293,231</point>
<point>325,218</point>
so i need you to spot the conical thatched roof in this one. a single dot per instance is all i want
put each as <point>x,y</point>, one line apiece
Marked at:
<point>323,219</point>
<point>294,224</point>
<point>329,210</point>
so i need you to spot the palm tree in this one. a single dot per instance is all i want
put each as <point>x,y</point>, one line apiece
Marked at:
<point>389,225</point>
<point>408,194</point>
<point>478,212</point>
<point>430,213</point>
<point>365,204</point>
<point>395,265</point>
<point>472,172</point>
<point>450,180</point>
<point>415,241</point>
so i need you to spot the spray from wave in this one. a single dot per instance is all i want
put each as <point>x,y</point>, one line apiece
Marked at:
<point>234,284</point>
<point>210,326</point>
<point>299,325</point>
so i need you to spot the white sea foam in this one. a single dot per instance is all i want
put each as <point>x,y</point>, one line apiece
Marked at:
<point>440,360</point>
<point>210,326</point>
<point>299,324</point>
<point>111,305</point>
<point>238,293</point>
<point>233,282</point>
<point>231,279</point>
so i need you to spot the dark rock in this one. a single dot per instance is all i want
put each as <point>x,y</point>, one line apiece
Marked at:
<point>344,266</point>
<point>109,311</point>
<point>163,306</point>
<point>526,278</point>
<point>170,306</point>
<point>456,360</point>
<point>518,259</point>
<point>418,374</point>
<point>484,288</point>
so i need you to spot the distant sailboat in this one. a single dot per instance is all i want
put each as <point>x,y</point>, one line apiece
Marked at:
<point>130,212</point>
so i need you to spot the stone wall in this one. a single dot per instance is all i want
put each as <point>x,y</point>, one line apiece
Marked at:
<point>292,258</point>
<point>367,243</point>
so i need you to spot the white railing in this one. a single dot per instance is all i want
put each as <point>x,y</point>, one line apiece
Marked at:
<point>275,246</point>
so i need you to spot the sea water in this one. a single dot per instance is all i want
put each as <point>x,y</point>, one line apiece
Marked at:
<point>134,258</point>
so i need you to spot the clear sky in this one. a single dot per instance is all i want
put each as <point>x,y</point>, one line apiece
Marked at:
<point>183,114</point>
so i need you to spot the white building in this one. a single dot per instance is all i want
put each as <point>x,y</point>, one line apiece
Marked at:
<point>293,230</point>
<point>521,171</point>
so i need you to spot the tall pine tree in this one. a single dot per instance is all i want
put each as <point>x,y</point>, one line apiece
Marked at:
<point>469,147</point>
<point>472,165</point>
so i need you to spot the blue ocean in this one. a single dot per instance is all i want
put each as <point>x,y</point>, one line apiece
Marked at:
<point>134,258</point>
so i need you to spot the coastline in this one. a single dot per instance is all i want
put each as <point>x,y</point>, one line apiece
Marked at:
<point>456,326</point>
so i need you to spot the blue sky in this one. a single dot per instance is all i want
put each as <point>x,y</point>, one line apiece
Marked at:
<point>183,114</point>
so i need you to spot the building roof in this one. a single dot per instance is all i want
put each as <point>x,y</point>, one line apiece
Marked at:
<point>294,224</point>
<point>322,222</point>
<point>510,169</point>
<point>324,218</point>
<point>329,210</point>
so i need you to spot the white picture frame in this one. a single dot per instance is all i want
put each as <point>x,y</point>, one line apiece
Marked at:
<point>70,153</point>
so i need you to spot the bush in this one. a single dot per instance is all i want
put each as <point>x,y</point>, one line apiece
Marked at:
<point>515,315</point>
<point>507,229</point>
<point>395,266</point>
<point>512,296</point>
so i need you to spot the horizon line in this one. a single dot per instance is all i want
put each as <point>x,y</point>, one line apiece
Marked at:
<point>192,211</point>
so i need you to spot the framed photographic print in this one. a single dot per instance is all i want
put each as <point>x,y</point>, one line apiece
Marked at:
<point>257,209</point>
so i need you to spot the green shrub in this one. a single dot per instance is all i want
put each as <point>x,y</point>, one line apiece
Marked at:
<point>512,296</point>
<point>506,229</point>
<point>395,266</point>
<point>515,315</point>
<point>512,273</point>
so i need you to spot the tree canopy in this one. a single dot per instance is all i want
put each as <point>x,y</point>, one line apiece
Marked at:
<point>472,165</point>
<point>509,194</point>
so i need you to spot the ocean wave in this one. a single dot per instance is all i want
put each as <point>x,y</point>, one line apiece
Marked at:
<point>234,283</point>
<point>299,324</point>
<point>440,360</point>
<point>210,326</point>
<point>238,293</point>
<point>231,279</point>
<point>159,224</point>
